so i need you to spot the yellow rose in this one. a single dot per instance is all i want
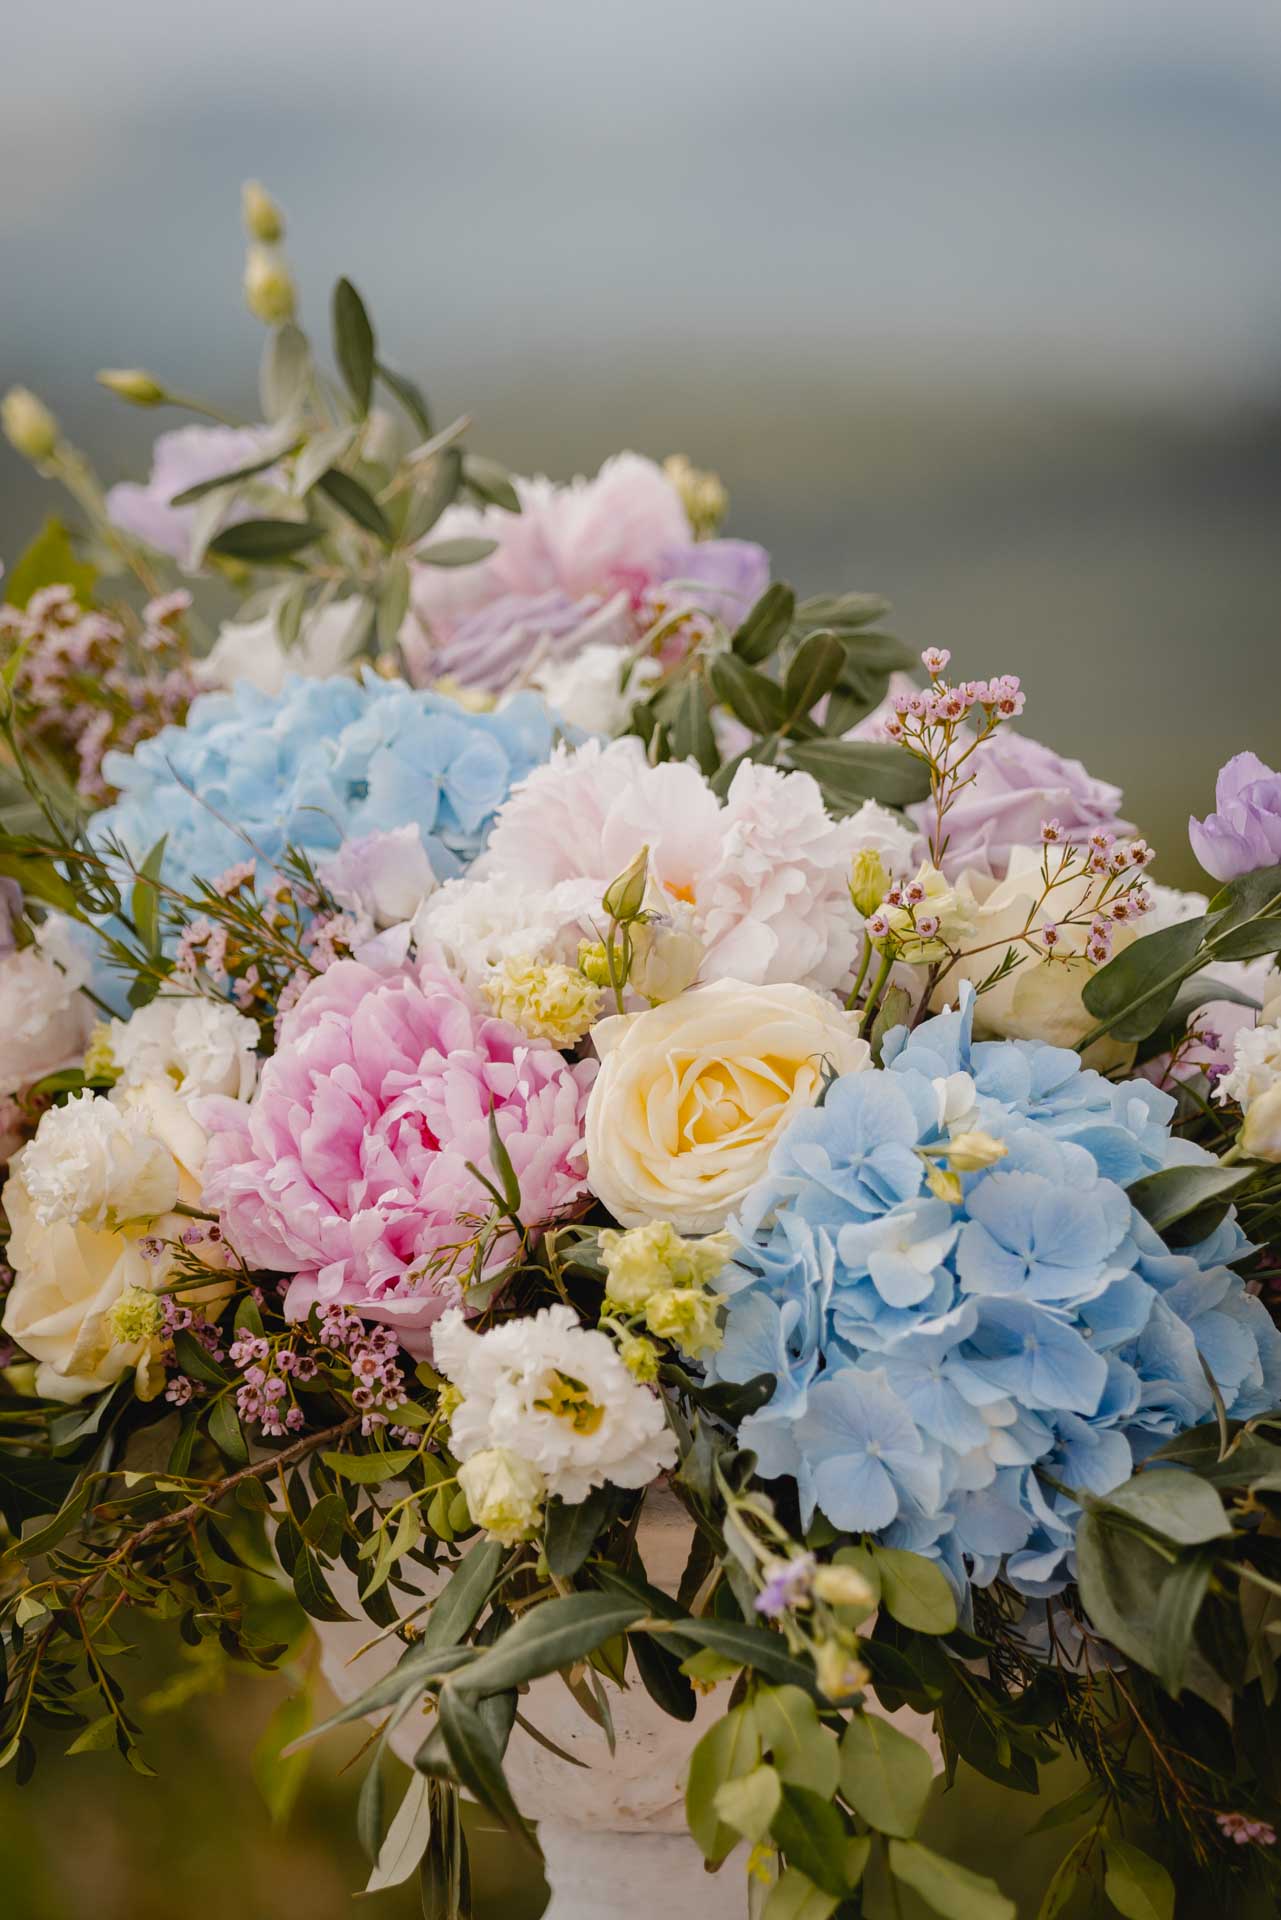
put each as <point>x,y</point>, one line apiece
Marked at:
<point>692,1095</point>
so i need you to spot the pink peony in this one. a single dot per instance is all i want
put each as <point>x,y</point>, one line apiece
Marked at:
<point>182,459</point>
<point>348,1170</point>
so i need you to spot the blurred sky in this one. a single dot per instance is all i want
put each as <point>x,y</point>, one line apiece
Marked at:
<point>974,302</point>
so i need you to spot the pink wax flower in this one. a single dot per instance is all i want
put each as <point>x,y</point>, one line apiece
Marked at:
<point>348,1170</point>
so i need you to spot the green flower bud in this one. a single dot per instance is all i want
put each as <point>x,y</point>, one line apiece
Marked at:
<point>139,388</point>
<point>869,882</point>
<point>28,425</point>
<point>262,217</point>
<point>703,494</point>
<point>269,287</point>
<point>625,896</point>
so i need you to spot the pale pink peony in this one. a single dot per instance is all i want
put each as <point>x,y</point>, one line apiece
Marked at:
<point>348,1170</point>
<point>763,877</point>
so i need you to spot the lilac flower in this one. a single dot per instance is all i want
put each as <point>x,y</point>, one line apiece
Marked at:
<point>1244,831</point>
<point>178,461</point>
<point>1018,787</point>
<point>787,1585</point>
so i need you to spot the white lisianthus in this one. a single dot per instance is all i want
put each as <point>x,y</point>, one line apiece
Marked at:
<point>667,953</point>
<point>384,876</point>
<point>1039,999</point>
<point>195,1045</point>
<point>587,691</point>
<point>556,1393</point>
<point>83,1303</point>
<point>45,1019</point>
<point>505,1494</point>
<point>1256,1066</point>
<point>252,651</point>
<point>692,1096</point>
<point>92,1164</point>
<point>1261,1134</point>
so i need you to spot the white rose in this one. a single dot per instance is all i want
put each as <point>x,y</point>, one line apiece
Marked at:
<point>84,1299</point>
<point>44,1017</point>
<point>692,1096</point>
<point>251,650</point>
<point>92,1164</point>
<point>199,1046</point>
<point>1040,999</point>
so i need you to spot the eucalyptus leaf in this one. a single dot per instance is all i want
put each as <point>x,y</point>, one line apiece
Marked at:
<point>1174,1503</point>
<point>809,1830</point>
<point>548,1638</point>
<point>851,771</point>
<point>796,1898</point>
<point>467,551</point>
<point>948,1889</point>
<point>729,1749</point>
<point>1138,1886</point>
<point>491,481</point>
<point>477,1764</point>
<point>356,502</point>
<point>915,1591</point>
<point>1172,1195</point>
<point>766,625</point>
<point>1134,992</point>
<point>353,343</point>
<point>886,1776</point>
<point>407,1837</point>
<point>259,542</point>
<point>409,394</point>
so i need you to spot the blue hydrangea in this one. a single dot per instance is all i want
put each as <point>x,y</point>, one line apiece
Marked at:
<point>320,762</point>
<point>945,1371</point>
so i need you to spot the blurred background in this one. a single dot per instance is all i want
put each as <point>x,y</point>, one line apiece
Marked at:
<point>975,303</point>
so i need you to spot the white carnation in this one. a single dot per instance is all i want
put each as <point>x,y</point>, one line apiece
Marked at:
<point>1256,1066</point>
<point>94,1164</point>
<point>557,1394</point>
<point>195,1045</point>
<point>477,925</point>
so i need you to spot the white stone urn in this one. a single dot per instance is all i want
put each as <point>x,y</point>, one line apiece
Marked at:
<point>614,1838</point>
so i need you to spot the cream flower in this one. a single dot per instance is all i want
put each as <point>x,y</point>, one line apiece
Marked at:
<point>691,1096</point>
<point>654,1259</point>
<point>196,1045</point>
<point>1256,1065</point>
<point>547,1002</point>
<point>1261,1134</point>
<point>587,690</point>
<point>83,1302</point>
<point>1040,999</point>
<point>557,1394</point>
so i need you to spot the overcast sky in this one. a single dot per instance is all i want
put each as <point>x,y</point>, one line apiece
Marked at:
<point>1080,193</point>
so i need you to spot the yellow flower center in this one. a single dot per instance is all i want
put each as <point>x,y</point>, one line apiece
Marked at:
<point>568,1399</point>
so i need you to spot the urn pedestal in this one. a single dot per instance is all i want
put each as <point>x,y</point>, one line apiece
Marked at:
<point>612,1831</point>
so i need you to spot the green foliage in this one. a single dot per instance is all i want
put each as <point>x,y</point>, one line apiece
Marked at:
<point>49,561</point>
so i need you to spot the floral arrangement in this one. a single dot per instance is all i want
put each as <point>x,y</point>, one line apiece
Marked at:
<point>509,1013</point>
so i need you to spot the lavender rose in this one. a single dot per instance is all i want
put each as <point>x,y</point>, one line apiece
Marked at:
<point>1017,784</point>
<point>1244,831</point>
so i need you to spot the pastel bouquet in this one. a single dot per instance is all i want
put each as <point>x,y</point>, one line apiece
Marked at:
<point>524,1040</point>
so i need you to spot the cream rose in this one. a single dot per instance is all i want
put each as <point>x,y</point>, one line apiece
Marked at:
<point>84,1302</point>
<point>692,1095</point>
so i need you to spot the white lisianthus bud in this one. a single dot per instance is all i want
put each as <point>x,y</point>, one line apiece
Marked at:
<point>262,217</point>
<point>92,1164</point>
<point>972,1152</point>
<point>840,1672</point>
<point>1261,1134</point>
<point>842,1587</point>
<point>666,957</point>
<point>29,427</point>
<point>269,287</point>
<point>134,384</point>
<point>505,1494</point>
<point>625,896</point>
<point>687,1316</point>
<point>655,1259</point>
